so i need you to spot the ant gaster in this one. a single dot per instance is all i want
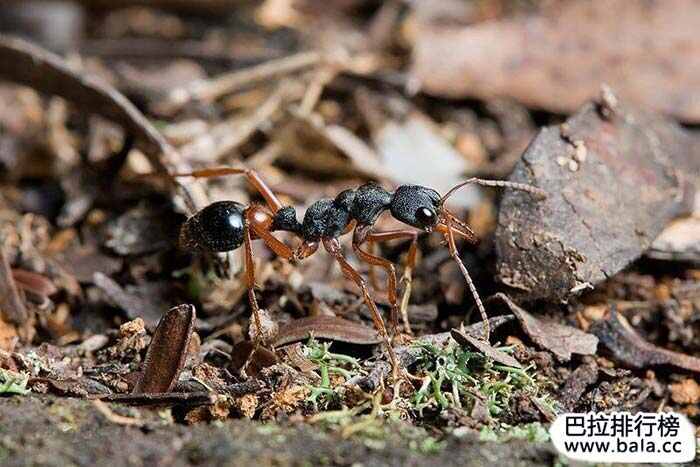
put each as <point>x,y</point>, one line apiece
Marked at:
<point>227,225</point>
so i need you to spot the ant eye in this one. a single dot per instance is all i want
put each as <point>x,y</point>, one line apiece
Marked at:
<point>425,216</point>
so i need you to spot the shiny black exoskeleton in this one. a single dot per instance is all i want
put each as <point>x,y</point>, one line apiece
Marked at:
<point>219,226</point>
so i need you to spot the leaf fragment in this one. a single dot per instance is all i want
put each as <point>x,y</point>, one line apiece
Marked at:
<point>168,351</point>
<point>560,339</point>
<point>327,327</point>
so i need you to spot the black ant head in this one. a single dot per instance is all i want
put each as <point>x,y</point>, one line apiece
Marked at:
<point>416,206</point>
<point>425,209</point>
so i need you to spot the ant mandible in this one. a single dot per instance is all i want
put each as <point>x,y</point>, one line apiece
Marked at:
<point>227,225</point>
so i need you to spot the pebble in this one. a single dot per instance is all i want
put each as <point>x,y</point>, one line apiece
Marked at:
<point>581,151</point>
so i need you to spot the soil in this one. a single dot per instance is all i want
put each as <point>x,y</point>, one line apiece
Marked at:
<point>39,430</point>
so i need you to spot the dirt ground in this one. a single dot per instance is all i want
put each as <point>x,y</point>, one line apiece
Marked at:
<point>63,432</point>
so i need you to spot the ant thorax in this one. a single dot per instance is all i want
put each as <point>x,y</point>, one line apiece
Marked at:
<point>330,218</point>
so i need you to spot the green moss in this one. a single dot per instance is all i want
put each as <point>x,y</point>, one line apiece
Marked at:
<point>12,383</point>
<point>532,432</point>
<point>328,363</point>
<point>454,377</point>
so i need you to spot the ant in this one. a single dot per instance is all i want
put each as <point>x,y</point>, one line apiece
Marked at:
<point>227,225</point>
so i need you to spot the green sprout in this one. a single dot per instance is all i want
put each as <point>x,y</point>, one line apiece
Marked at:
<point>328,363</point>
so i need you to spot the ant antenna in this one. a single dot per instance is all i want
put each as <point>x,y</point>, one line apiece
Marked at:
<point>449,235</point>
<point>496,184</point>
<point>450,218</point>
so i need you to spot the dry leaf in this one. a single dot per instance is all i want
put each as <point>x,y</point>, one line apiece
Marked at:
<point>168,351</point>
<point>559,339</point>
<point>326,327</point>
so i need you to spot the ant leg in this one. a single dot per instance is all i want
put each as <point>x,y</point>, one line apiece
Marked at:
<point>250,283</point>
<point>333,247</point>
<point>371,271</point>
<point>450,238</point>
<point>364,235</point>
<point>259,220</point>
<point>253,178</point>
<point>449,224</point>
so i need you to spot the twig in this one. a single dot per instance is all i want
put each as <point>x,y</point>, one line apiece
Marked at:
<point>189,399</point>
<point>228,135</point>
<point>211,89</point>
<point>24,63</point>
<point>313,93</point>
<point>115,417</point>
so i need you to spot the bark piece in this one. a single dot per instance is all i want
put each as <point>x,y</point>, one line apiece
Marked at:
<point>685,392</point>
<point>556,59</point>
<point>189,399</point>
<point>614,181</point>
<point>577,383</point>
<point>11,303</point>
<point>168,351</point>
<point>262,358</point>
<point>145,302</point>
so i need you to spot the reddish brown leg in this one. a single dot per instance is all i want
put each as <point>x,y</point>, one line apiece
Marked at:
<point>258,219</point>
<point>250,283</point>
<point>371,272</point>
<point>253,178</point>
<point>449,225</point>
<point>332,245</point>
<point>362,235</point>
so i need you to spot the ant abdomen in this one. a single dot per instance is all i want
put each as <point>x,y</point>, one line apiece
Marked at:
<point>218,227</point>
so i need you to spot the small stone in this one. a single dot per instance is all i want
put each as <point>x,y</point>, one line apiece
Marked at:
<point>608,101</point>
<point>133,327</point>
<point>562,161</point>
<point>685,392</point>
<point>573,165</point>
<point>581,151</point>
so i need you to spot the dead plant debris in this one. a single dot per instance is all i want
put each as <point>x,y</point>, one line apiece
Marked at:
<point>559,339</point>
<point>100,302</point>
<point>602,213</point>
